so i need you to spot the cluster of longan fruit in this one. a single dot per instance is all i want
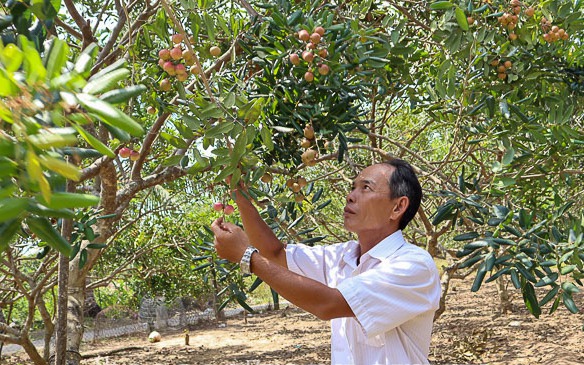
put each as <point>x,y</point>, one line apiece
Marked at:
<point>176,59</point>
<point>553,32</point>
<point>297,184</point>
<point>510,19</point>
<point>502,67</point>
<point>314,54</point>
<point>309,155</point>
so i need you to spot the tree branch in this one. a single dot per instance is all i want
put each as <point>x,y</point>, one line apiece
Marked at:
<point>115,32</point>
<point>84,26</point>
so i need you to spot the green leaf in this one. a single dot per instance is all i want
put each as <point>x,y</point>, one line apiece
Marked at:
<point>565,270</point>
<point>11,208</point>
<point>569,302</point>
<point>481,272</point>
<point>547,280</point>
<point>94,142</point>
<point>57,57</point>
<point>61,167</point>
<point>110,115</point>
<point>36,174</point>
<point>123,95</point>
<point>106,82</point>
<point>85,59</point>
<point>441,5</point>
<point>97,246</point>
<point>46,232</point>
<point>63,200</point>
<point>530,300</point>
<point>46,141</point>
<point>44,211</point>
<point>470,261</point>
<point>255,284</point>
<point>549,296</point>
<point>466,236</point>
<point>461,18</point>
<point>220,129</point>
<point>11,57</point>
<point>82,258</point>
<point>8,230</point>
<point>173,140</point>
<point>508,156</point>
<point>114,66</point>
<point>515,279</point>
<point>443,213</point>
<point>239,148</point>
<point>33,64</point>
<point>266,135</point>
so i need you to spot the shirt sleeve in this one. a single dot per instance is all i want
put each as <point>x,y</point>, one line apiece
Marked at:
<point>312,262</point>
<point>392,293</point>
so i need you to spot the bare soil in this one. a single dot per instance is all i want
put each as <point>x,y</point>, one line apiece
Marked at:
<point>471,331</point>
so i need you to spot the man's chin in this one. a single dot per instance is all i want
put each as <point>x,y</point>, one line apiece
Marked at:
<point>348,227</point>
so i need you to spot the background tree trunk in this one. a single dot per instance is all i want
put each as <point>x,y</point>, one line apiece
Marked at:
<point>61,327</point>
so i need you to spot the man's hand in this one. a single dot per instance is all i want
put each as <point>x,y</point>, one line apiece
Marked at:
<point>230,240</point>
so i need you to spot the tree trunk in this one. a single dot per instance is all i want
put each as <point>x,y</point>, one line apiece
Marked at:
<point>32,352</point>
<point>2,320</point>
<point>505,304</point>
<point>49,327</point>
<point>76,298</point>
<point>61,326</point>
<point>445,284</point>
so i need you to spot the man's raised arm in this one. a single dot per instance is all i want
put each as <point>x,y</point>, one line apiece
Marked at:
<point>259,233</point>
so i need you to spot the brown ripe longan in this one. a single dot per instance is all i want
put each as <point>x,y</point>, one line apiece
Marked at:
<point>307,56</point>
<point>295,187</point>
<point>502,76</point>
<point>302,182</point>
<point>501,69</point>
<point>303,35</point>
<point>508,64</point>
<point>309,132</point>
<point>295,59</point>
<point>319,30</point>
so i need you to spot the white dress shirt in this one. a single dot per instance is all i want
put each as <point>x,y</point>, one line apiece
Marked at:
<point>393,292</point>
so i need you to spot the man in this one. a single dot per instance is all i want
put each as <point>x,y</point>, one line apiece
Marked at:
<point>379,292</point>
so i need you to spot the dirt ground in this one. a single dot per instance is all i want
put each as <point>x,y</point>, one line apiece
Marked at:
<point>469,332</point>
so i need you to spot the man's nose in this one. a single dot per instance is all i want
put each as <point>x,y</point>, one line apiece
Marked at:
<point>351,197</point>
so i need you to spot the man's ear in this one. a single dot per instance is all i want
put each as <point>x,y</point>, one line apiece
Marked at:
<point>401,205</point>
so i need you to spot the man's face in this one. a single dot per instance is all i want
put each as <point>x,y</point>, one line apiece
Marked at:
<point>369,205</point>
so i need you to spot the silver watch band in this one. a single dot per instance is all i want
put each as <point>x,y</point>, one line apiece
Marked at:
<point>245,263</point>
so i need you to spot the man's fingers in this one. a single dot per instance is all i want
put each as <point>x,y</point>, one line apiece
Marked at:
<point>216,225</point>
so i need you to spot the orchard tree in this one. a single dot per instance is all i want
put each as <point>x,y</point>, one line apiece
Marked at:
<point>484,99</point>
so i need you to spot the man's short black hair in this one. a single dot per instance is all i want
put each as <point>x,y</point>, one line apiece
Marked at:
<point>404,182</point>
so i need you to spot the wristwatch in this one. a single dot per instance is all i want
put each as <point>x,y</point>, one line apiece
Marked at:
<point>245,263</point>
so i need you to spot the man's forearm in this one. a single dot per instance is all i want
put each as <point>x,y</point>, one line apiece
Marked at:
<point>259,233</point>
<point>312,296</point>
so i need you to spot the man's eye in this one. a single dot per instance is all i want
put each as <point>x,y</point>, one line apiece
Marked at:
<point>367,187</point>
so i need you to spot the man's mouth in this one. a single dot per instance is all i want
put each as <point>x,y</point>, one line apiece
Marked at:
<point>348,210</point>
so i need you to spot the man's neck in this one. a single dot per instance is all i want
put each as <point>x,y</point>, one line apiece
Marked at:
<point>368,240</point>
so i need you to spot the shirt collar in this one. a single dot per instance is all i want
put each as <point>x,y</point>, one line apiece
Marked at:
<point>385,248</point>
<point>388,246</point>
